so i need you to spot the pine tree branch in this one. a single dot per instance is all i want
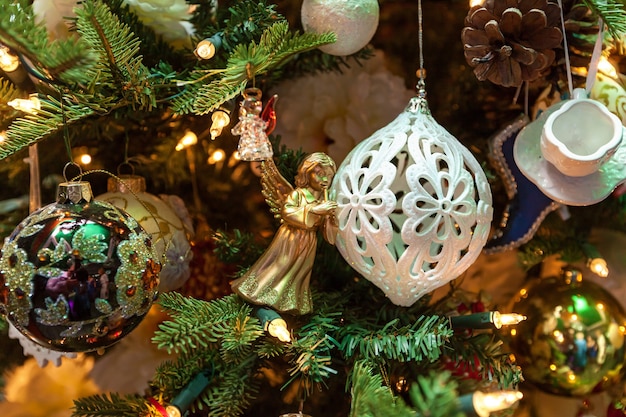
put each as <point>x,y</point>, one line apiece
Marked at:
<point>247,62</point>
<point>210,97</point>
<point>434,395</point>
<point>423,340</point>
<point>234,391</point>
<point>370,398</point>
<point>223,324</point>
<point>113,405</point>
<point>153,48</point>
<point>49,120</point>
<point>64,61</point>
<point>613,14</point>
<point>484,352</point>
<point>120,67</point>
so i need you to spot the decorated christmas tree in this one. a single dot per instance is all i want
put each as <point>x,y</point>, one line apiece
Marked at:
<point>324,208</point>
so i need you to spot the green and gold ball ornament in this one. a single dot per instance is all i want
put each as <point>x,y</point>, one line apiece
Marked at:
<point>572,343</point>
<point>77,275</point>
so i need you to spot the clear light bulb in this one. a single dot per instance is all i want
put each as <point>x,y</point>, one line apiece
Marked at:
<point>85,159</point>
<point>278,329</point>
<point>186,141</point>
<point>8,61</point>
<point>599,267</point>
<point>507,319</point>
<point>205,49</point>
<point>217,156</point>
<point>172,411</point>
<point>29,105</point>
<point>486,403</point>
<point>220,119</point>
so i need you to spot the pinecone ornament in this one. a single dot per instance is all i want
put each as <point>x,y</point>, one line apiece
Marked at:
<point>511,41</point>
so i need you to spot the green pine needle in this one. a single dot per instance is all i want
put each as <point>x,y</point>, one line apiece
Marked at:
<point>434,395</point>
<point>119,63</point>
<point>613,13</point>
<point>370,398</point>
<point>65,61</point>
<point>49,120</point>
<point>195,324</point>
<point>113,405</point>
<point>423,340</point>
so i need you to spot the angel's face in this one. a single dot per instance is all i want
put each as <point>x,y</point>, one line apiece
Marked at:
<point>320,177</point>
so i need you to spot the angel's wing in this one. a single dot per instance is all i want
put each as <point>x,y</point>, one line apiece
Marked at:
<point>275,187</point>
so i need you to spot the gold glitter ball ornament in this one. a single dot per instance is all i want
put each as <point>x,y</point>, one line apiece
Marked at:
<point>77,275</point>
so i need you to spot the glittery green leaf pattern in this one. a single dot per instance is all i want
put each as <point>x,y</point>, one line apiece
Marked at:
<point>92,247</point>
<point>31,229</point>
<point>18,273</point>
<point>55,313</point>
<point>50,271</point>
<point>55,255</point>
<point>133,254</point>
<point>32,222</point>
<point>103,306</point>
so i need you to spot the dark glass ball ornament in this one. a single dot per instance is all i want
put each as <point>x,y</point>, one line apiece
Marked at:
<point>572,343</point>
<point>77,275</point>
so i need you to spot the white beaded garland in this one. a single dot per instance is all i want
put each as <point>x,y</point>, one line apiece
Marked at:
<point>414,206</point>
<point>354,22</point>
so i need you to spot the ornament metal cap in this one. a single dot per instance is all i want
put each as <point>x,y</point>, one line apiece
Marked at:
<point>127,184</point>
<point>74,192</point>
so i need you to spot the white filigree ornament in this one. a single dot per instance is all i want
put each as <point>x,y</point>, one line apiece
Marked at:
<point>414,206</point>
<point>42,355</point>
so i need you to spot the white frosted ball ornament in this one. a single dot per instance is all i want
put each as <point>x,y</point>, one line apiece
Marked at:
<point>354,23</point>
<point>414,206</point>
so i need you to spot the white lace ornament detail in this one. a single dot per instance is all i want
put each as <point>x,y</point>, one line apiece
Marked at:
<point>414,206</point>
<point>42,355</point>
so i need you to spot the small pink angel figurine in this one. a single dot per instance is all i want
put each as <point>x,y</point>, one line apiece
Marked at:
<point>280,277</point>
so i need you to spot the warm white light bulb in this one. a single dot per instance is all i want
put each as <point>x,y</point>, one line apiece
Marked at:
<point>473,3</point>
<point>186,141</point>
<point>205,49</point>
<point>220,120</point>
<point>172,411</point>
<point>278,329</point>
<point>85,159</point>
<point>599,267</point>
<point>8,61</point>
<point>30,105</point>
<point>3,136</point>
<point>486,403</point>
<point>217,156</point>
<point>507,319</point>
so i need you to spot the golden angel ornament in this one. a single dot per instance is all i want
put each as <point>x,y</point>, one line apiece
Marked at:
<point>280,277</point>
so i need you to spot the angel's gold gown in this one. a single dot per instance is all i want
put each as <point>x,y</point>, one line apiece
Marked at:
<point>280,277</point>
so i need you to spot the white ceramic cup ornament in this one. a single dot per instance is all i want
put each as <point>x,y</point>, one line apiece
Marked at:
<point>580,136</point>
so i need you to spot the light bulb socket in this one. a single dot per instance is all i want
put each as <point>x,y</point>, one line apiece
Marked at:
<point>484,320</point>
<point>192,390</point>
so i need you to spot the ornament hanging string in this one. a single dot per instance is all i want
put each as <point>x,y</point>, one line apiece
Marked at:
<point>595,58</point>
<point>568,68</point>
<point>421,83</point>
<point>66,132</point>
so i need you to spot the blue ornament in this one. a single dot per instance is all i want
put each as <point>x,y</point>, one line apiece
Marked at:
<point>528,206</point>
